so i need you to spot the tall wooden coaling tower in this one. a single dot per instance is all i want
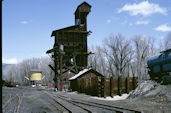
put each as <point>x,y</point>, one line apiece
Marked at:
<point>70,47</point>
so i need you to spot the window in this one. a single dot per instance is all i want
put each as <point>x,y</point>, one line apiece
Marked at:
<point>77,21</point>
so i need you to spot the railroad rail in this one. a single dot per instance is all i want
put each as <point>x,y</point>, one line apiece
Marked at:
<point>68,105</point>
<point>65,110</point>
<point>98,105</point>
<point>76,105</point>
<point>11,101</point>
<point>19,102</point>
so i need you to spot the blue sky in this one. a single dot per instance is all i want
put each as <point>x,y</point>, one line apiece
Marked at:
<point>27,24</point>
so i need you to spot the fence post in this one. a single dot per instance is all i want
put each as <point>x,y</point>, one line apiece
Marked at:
<point>119,86</point>
<point>105,87</point>
<point>135,82</point>
<point>111,87</point>
<point>99,86</point>
<point>102,86</point>
<point>127,85</point>
<point>96,82</point>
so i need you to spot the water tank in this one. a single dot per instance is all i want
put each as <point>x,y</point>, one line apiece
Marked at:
<point>35,75</point>
<point>162,58</point>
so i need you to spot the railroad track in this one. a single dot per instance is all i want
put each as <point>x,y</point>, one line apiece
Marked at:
<point>69,106</point>
<point>19,102</point>
<point>10,98</point>
<point>102,106</point>
<point>90,107</point>
<point>56,104</point>
<point>15,100</point>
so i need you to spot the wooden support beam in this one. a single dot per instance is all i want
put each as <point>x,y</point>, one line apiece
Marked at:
<point>61,72</point>
<point>105,88</point>
<point>51,67</point>
<point>111,87</point>
<point>127,85</point>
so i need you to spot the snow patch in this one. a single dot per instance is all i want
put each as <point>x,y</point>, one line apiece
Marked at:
<point>79,74</point>
<point>75,92</point>
<point>117,97</point>
<point>143,89</point>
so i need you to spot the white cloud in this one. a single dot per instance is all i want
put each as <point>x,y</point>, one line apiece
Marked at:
<point>24,22</point>
<point>143,8</point>
<point>163,28</point>
<point>142,22</point>
<point>9,61</point>
<point>108,21</point>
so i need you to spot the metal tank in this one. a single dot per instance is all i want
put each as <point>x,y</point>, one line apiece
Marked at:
<point>35,77</point>
<point>160,65</point>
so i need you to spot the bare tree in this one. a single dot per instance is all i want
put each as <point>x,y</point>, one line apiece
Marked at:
<point>17,73</point>
<point>167,41</point>
<point>119,54</point>
<point>46,71</point>
<point>92,59</point>
<point>98,61</point>
<point>161,45</point>
<point>101,60</point>
<point>144,47</point>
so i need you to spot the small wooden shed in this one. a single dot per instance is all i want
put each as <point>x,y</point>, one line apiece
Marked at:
<point>86,73</point>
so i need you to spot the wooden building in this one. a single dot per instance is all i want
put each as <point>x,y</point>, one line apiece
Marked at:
<point>90,82</point>
<point>84,74</point>
<point>70,45</point>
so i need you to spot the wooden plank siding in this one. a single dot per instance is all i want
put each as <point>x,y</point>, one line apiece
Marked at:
<point>102,86</point>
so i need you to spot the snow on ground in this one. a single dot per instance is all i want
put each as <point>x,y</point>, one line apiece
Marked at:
<point>122,97</point>
<point>151,89</point>
<point>143,88</point>
<point>75,92</point>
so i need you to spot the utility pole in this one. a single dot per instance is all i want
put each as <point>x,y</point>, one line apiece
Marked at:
<point>61,52</point>
<point>56,71</point>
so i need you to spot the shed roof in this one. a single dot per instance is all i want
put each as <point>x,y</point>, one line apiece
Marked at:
<point>83,72</point>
